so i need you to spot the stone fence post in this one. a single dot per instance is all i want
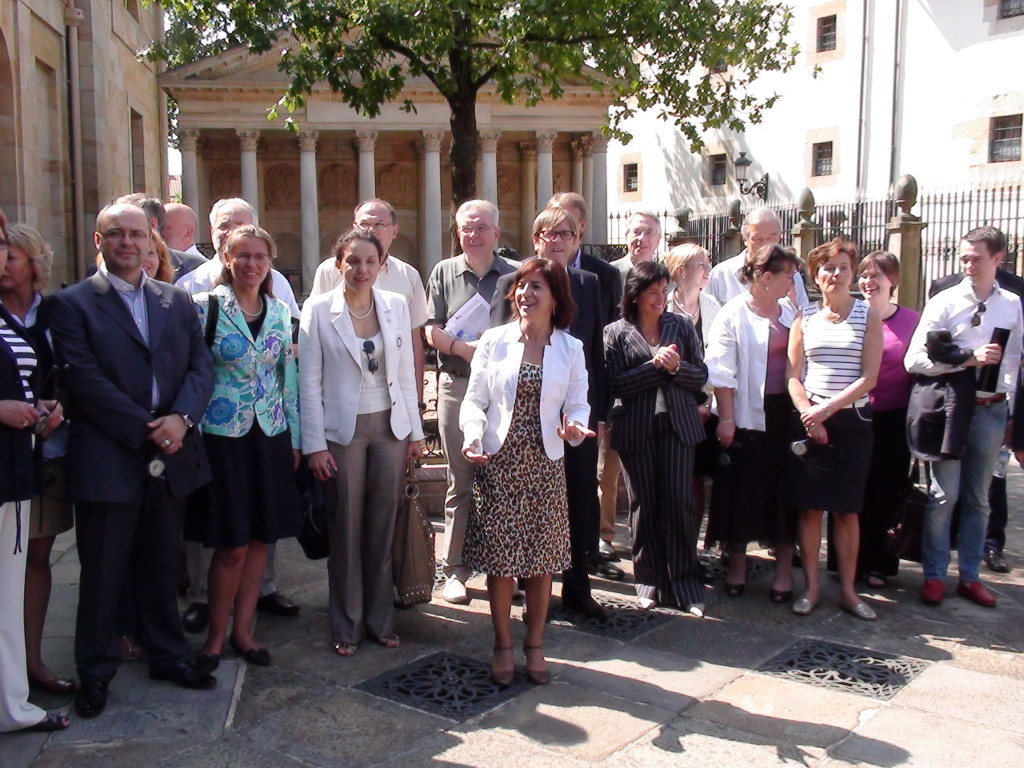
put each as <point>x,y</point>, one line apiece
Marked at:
<point>682,234</point>
<point>732,240</point>
<point>905,243</point>
<point>806,232</point>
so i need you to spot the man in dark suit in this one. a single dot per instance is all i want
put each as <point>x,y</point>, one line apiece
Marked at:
<point>138,376</point>
<point>556,237</point>
<point>182,262</point>
<point>995,536</point>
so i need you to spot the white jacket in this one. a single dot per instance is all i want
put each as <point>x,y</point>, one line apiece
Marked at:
<point>330,369</point>
<point>486,412</point>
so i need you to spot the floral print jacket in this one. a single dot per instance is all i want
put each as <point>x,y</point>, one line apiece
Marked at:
<point>252,378</point>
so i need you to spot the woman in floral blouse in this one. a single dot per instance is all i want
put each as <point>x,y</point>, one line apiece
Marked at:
<point>251,432</point>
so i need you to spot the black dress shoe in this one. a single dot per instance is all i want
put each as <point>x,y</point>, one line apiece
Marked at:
<point>186,674</point>
<point>996,562</point>
<point>196,618</point>
<point>207,662</point>
<point>588,607</point>
<point>277,604</point>
<point>606,570</point>
<point>258,656</point>
<point>91,698</point>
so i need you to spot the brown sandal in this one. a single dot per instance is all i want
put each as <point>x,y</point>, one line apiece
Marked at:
<point>502,677</point>
<point>536,676</point>
<point>390,641</point>
<point>345,649</point>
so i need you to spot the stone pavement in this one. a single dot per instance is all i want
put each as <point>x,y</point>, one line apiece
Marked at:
<point>938,687</point>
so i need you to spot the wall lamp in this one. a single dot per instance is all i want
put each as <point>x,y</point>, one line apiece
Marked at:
<point>759,187</point>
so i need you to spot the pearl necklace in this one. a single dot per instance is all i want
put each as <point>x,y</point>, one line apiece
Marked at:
<point>257,313</point>
<point>365,314</point>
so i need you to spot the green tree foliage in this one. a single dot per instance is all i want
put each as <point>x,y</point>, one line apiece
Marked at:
<point>645,54</point>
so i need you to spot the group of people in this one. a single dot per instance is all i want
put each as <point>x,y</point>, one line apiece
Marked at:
<point>169,396</point>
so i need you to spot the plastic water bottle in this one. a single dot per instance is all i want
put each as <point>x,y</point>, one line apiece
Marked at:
<point>1002,461</point>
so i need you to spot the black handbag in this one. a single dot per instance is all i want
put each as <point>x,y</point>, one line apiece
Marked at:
<point>903,538</point>
<point>318,500</point>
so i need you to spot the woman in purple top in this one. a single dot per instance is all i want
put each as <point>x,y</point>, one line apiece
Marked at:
<point>879,274</point>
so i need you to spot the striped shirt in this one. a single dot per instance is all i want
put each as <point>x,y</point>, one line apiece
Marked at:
<point>833,351</point>
<point>23,354</point>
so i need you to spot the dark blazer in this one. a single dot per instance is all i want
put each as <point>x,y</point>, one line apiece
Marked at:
<point>184,263</point>
<point>633,380</point>
<point>108,372</point>
<point>18,466</point>
<point>587,325</point>
<point>611,284</point>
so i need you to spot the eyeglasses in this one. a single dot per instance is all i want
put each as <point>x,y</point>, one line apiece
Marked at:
<point>701,265</point>
<point>550,236</point>
<point>369,349</point>
<point>4,245</point>
<point>978,312</point>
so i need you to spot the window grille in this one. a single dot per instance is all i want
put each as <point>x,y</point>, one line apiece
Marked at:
<point>1004,140</point>
<point>826,33</point>
<point>822,159</point>
<point>719,167</point>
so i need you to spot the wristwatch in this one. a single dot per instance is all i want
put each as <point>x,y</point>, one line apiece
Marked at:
<point>189,424</point>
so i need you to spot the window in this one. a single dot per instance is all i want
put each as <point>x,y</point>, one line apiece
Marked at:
<point>826,38</point>
<point>822,159</point>
<point>721,66</point>
<point>631,177</point>
<point>137,137</point>
<point>1010,8</point>
<point>718,166</point>
<point>1004,139</point>
<point>133,8</point>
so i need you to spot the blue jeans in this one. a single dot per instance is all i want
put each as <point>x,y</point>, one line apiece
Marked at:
<point>968,480</point>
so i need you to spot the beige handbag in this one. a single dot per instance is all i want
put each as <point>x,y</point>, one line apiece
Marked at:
<point>412,551</point>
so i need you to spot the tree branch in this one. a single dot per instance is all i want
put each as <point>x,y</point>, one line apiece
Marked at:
<point>396,47</point>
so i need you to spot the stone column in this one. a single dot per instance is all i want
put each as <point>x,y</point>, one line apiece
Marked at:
<point>188,143</point>
<point>545,171</point>
<point>599,206</point>
<point>250,179</point>
<point>366,142</point>
<point>588,178</point>
<point>905,243</point>
<point>577,166</point>
<point>430,200</point>
<point>527,195</point>
<point>310,210</point>
<point>489,165</point>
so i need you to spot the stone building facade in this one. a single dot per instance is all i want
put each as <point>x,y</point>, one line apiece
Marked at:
<point>81,119</point>
<point>305,183</point>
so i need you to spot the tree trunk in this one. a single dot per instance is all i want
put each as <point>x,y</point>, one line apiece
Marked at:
<point>462,154</point>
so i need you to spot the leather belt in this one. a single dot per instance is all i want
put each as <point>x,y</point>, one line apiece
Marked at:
<point>997,398</point>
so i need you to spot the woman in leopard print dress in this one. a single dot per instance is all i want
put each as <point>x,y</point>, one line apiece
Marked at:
<point>527,393</point>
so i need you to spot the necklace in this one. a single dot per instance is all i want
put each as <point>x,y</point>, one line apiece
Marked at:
<point>252,314</point>
<point>363,316</point>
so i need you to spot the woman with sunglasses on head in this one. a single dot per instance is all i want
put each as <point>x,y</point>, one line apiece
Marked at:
<point>251,433</point>
<point>835,348</point>
<point>360,425</point>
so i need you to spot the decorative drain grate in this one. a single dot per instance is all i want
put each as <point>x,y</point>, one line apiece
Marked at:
<point>625,620</point>
<point>843,668</point>
<point>439,577</point>
<point>453,687</point>
<point>714,568</point>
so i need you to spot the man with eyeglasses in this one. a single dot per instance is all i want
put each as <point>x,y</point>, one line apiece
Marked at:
<point>454,282</point>
<point>379,216</point>
<point>760,227</point>
<point>966,354</point>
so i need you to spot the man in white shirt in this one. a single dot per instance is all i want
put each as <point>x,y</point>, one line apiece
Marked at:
<point>643,233</point>
<point>225,216</point>
<point>761,227</point>
<point>180,227</point>
<point>954,335</point>
<point>378,216</point>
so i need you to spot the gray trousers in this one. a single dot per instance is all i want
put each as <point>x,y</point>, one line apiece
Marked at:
<point>371,469</point>
<point>450,392</point>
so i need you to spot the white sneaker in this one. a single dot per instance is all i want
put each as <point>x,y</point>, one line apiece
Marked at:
<point>645,603</point>
<point>455,592</point>
<point>607,551</point>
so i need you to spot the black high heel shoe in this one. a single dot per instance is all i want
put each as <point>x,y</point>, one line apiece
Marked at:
<point>734,590</point>
<point>258,656</point>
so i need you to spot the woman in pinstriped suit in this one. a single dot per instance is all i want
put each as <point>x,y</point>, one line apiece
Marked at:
<point>655,368</point>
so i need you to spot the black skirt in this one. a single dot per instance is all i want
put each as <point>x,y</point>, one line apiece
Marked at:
<point>705,457</point>
<point>746,499</point>
<point>831,477</point>
<point>253,496</point>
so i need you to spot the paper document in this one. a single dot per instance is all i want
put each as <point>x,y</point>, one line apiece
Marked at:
<point>470,320</point>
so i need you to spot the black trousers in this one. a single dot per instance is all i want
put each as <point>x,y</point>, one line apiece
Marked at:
<point>134,543</point>
<point>659,481</point>
<point>584,516</point>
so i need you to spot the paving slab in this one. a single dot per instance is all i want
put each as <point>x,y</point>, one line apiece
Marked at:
<point>727,642</point>
<point>485,749</point>
<point>782,710</point>
<point>928,740</point>
<point>966,695</point>
<point>579,722</point>
<point>129,752</point>
<point>230,752</point>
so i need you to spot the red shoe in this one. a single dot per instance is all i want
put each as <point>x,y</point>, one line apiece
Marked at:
<point>931,591</point>
<point>975,592</point>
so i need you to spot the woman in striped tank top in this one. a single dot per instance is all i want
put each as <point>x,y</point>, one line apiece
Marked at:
<point>835,350</point>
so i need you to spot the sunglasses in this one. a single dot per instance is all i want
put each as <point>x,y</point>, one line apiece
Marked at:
<point>978,312</point>
<point>369,349</point>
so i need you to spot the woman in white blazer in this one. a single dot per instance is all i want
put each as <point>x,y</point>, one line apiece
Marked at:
<point>527,393</point>
<point>360,425</point>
